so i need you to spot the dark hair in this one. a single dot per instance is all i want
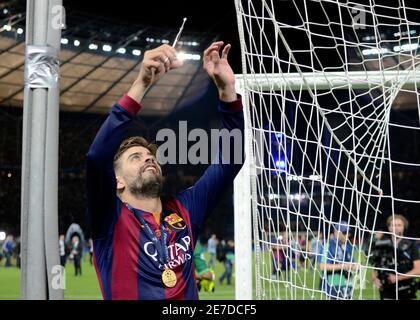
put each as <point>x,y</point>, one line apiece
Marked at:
<point>395,217</point>
<point>135,141</point>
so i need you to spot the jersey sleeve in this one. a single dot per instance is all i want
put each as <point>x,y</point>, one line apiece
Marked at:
<point>201,198</point>
<point>100,176</point>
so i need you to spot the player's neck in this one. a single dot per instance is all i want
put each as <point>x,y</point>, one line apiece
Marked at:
<point>147,204</point>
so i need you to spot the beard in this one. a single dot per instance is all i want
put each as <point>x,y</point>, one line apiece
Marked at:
<point>146,185</point>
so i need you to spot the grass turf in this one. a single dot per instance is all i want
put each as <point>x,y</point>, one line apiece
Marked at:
<point>86,287</point>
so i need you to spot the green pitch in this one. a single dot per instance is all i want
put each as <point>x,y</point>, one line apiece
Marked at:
<point>86,287</point>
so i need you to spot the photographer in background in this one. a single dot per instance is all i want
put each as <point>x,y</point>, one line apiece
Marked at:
<point>394,247</point>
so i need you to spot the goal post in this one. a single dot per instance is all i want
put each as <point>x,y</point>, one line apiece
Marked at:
<point>409,79</point>
<point>321,144</point>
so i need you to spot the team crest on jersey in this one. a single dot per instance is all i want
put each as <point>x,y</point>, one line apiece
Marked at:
<point>175,221</point>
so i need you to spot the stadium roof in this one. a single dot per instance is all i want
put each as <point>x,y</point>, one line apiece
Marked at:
<point>100,59</point>
<point>92,82</point>
<point>94,74</point>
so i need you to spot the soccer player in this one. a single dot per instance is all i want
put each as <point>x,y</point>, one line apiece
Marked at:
<point>337,263</point>
<point>143,247</point>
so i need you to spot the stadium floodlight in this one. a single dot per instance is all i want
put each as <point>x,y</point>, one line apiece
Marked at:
<point>281,164</point>
<point>76,43</point>
<point>106,48</point>
<point>314,177</point>
<point>2,235</point>
<point>121,50</point>
<point>406,47</point>
<point>189,43</point>
<point>7,27</point>
<point>64,41</point>
<point>374,51</point>
<point>5,11</point>
<point>136,52</point>
<point>397,34</point>
<point>188,56</point>
<point>297,197</point>
<point>19,31</point>
<point>93,46</point>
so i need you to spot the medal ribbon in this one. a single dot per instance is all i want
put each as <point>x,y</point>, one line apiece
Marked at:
<point>160,245</point>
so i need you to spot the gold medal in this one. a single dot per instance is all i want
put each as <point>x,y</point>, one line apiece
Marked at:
<point>169,278</point>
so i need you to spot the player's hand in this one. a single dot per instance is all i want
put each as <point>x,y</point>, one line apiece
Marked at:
<point>156,63</point>
<point>218,68</point>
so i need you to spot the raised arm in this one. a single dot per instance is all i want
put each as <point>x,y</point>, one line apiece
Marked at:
<point>101,180</point>
<point>204,195</point>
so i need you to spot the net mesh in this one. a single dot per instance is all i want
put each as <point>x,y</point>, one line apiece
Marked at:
<point>333,104</point>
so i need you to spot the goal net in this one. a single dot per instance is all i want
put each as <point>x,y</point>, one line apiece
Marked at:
<point>333,116</point>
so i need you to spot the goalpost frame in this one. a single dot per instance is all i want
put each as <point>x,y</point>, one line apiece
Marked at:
<point>328,80</point>
<point>39,200</point>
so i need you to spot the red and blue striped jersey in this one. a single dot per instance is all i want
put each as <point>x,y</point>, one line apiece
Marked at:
<point>126,260</point>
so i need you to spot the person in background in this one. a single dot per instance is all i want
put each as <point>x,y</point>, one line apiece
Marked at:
<point>62,250</point>
<point>337,264</point>
<point>302,251</point>
<point>90,247</point>
<point>16,252</point>
<point>229,260</point>
<point>391,252</point>
<point>8,247</point>
<point>317,245</point>
<point>211,249</point>
<point>76,253</point>
<point>316,249</point>
<point>277,256</point>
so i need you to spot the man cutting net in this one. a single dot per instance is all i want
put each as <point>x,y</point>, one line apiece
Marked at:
<point>143,246</point>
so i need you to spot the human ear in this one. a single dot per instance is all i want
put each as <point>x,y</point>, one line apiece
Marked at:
<point>120,184</point>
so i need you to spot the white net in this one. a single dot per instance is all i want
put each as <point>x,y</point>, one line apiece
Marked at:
<point>334,115</point>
